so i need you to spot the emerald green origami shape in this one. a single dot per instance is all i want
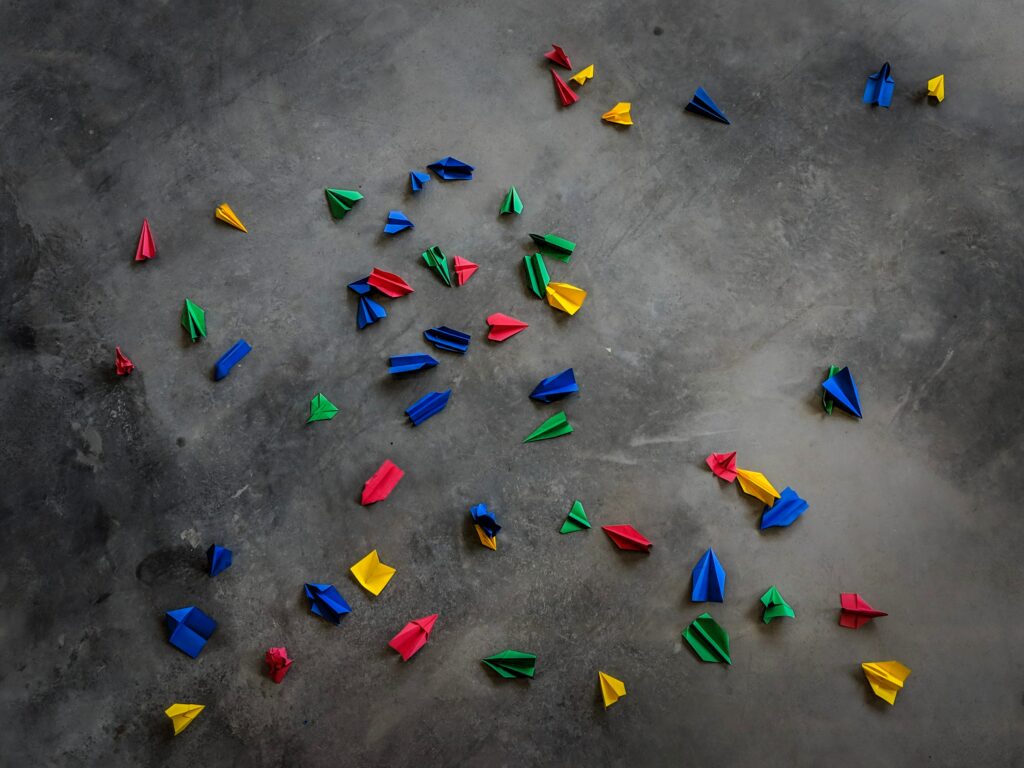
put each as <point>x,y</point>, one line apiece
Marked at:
<point>321,409</point>
<point>537,274</point>
<point>556,426</point>
<point>193,319</point>
<point>554,245</point>
<point>577,519</point>
<point>709,641</point>
<point>512,202</point>
<point>775,607</point>
<point>340,201</point>
<point>511,664</point>
<point>827,402</point>
<point>436,260</point>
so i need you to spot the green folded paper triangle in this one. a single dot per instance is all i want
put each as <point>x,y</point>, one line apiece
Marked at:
<point>826,399</point>
<point>775,607</point>
<point>512,202</point>
<point>577,519</point>
<point>554,245</point>
<point>709,641</point>
<point>510,664</point>
<point>436,260</point>
<point>340,201</point>
<point>556,426</point>
<point>321,409</point>
<point>193,319</point>
<point>537,274</point>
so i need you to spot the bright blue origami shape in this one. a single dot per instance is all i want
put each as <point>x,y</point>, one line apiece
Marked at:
<point>398,364</point>
<point>369,312</point>
<point>362,287</point>
<point>450,169</point>
<point>485,519</point>
<point>708,579</point>
<point>844,391</point>
<point>448,339</point>
<point>326,602</point>
<point>879,87</point>
<point>702,104</point>
<point>417,180</point>
<point>219,559</point>
<point>190,629</point>
<point>396,222</point>
<point>787,508</point>
<point>427,406</point>
<point>556,387</point>
<point>230,359</point>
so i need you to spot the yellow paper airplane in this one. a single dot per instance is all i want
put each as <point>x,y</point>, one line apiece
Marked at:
<point>182,715</point>
<point>611,689</point>
<point>225,214</point>
<point>937,87</point>
<point>565,297</point>
<point>886,678</point>
<point>755,484</point>
<point>372,574</point>
<point>619,114</point>
<point>583,75</point>
<point>491,542</point>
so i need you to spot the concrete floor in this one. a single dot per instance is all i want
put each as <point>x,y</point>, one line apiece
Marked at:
<point>727,267</point>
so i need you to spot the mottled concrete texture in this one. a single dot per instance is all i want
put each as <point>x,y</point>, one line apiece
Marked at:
<point>727,268</point>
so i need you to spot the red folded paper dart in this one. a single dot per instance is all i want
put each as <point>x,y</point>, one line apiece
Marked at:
<point>504,326</point>
<point>558,56</point>
<point>388,284</point>
<point>381,483</point>
<point>413,636</point>
<point>122,364</point>
<point>854,611</point>
<point>723,465</point>
<point>146,249</point>
<point>565,93</point>
<point>464,269</point>
<point>627,537</point>
<point>279,663</point>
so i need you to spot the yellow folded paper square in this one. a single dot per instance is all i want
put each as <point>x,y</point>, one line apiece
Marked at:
<point>372,574</point>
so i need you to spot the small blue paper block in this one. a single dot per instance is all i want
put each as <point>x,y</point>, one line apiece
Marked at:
<point>398,364</point>
<point>708,579</point>
<point>219,559</point>
<point>702,104</point>
<point>396,222</point>
<point>879,87</point>
<point>556,387</point>
<point>427,406</point>
<point>448,339</point>
<point>230,359</point>
<point>362,287</point>
<point>843,389</point>
<point>369,312</point>
<point>450,169</point>
<point>786,509</point>
<point>190,628</point>
<point>417,180</point>
<point>326,602</point>
<point>485,519</point>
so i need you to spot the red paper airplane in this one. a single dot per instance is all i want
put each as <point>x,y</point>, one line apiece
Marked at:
<point>388,284</point>
<point>413,636</point>
<point>279,663</point>
<point>504,327</point>
<point>565,93</point>
<point>145,249</point>
<point>122,364</point>
<point>627,537</point>
<point>855,612</point>
<point>464,269</point>
<point>557,55</point>
<point>723,465</point>
<point>381,483</point>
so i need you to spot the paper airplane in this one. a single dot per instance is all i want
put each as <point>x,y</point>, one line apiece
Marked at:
<point>189,629</point>
<point>565,297</point>
<point>723,465</point>
<point>182,715</point>
<point>826,399</point>
<point>886,678</point>
<point>558,56</point>
<point>435,259</point>
<point>627,537</point>
<point>450,169</point>
<point>278,662</point>
<point>708,640</point>
<point>146,249</point>
<point>556,426</point>
<point>417,180</point>
<point>361,287</point>
<point>122,365</point>
<point>554,245</point>
<point>326,602</point>
<point>708,579</point>
<point>448,339</point>
<point>389,284</point>
<point>321,409</point>
<point>464,269</point>
<point>218,559</point>
<point>510,664</point>
<point>537,274</point>
<point>583,75</point>
<point>843,390</point>
<point>879,87</point>
<point>429,405</point>
<point>755,484</point>
<point>486,526</point>
<point>398,364</point>
<point>702,104</point>
<point>230,359</point>
<point>576,520</point>
<point>413,636</point>
<point>512,203</point>
<point>369,312</point>
<point>556,387</point>
<point>775,607</point>
<point>854,611</point>
<point>396,222</point>
<point>783,512</point>
<point>340,201</point>
<point>504,326</point>
<point>225,214</point>
<point>612,689</point>
<point>619,114</point>
<point>372,574</point>
<point>381,483</point>
<point>563,91</point>
<point>193,319</point>
<point>936,89</point>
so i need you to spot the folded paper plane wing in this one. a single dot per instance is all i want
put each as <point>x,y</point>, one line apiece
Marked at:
<point>182,715</point>
<point>854,611</point>
<point>583,75</point>
<point>146,248</point>
<point>511,664</point>
<point>399,364</point>
<point>886,678</point>
<point>708,640</point>
<point>464,269</point>
<point>326,602</point>
<point>389,284</point>
<point>341,201</point>
<point>504,326</point>
<point>230,359</point>
<point>627,537</point>
<point>708,579</point>
<point>565,94</point>
<point>537,274</point>
<point>434,258</point>
<point>783,512</point>
<point>565,297</point>
<point>381,483</point>
<point>321,409</point>
<point>556,387</point>
<point>702,104</point>
<point>558,56</point>
<point>576,520</point>
<point>755,484</point>
<point>775,607</point>
<point>122,365</point>
<point>555,426</point>
<point>225,214</point>
<point>612,689</point>
<point>429,405</point>
<point>619,114</point>
<point>413,636</point>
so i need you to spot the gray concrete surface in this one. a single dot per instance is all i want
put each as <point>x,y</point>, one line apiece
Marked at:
<point>727,267</point>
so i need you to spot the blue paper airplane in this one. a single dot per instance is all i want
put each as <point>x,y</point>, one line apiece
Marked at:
<point>844,391</point>
<point>448,339</point>
<point>326,602</point>
<point>879,87</point>
<point>417,180</point>
<point>556,387</point>
<point>485,519</point>
<point>450,169</point>
<point>708,579</point>
<point>369,312</point>
<point>427,406</point>
<point>396,222</point>
<point>230,359</point>
<point>398,364</point>
<point>702,104</point>
<point>787,508</point>
<point>362,287</point>
<point>190,628</point>
<point>219,558</point>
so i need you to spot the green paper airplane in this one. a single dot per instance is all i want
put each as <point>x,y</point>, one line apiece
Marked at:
<point>321,409</point>
<point>512,202</point>
<point>775,607</point>
<point>826,399</point>
<point>709,641</point>
<point>436,260</point>
<point>510,664</point>
<point>193,319</point>
<point>556,426</point>
<point>556,246</point>
<point>340,201</point>
<point>577,519</point>
<point>537,273</point>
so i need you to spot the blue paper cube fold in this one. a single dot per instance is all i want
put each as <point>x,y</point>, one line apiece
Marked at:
<point>189,629</point>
